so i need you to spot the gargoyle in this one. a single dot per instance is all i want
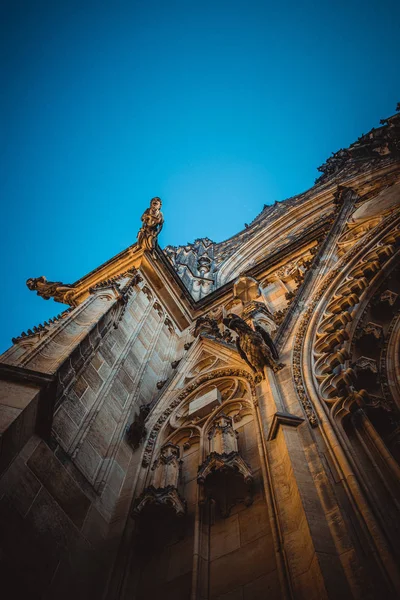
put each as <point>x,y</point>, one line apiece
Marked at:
<point>255,347</point>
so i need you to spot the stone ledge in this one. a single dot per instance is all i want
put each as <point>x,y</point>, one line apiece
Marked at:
<point>281,418</point>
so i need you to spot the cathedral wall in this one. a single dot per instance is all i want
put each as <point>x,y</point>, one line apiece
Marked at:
<point>211,554</point>
<point>66,501</point>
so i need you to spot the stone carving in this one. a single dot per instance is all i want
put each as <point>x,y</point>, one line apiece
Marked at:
<point>255,309</point>
<point>208,326</point>
<point>153,221</point>
<point>246,289</point>
<point>224,475</point>
<point>386,300</point>
<point>372,331</point>
<point>136,432</point>
<point>147,292</point>
<point>255,347</point>
<point>228,372</point>
<point>158,308</point>
<point>42,328</point>
<point>373,146</point>
<point>169,324</point>
<point>163,489</point>
<point>330,343</point>
<point>227,336</point>
<point>51,289</point>
<point>364,363</point>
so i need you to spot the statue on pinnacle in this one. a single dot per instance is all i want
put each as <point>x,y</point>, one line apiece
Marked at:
<point>152,222</point>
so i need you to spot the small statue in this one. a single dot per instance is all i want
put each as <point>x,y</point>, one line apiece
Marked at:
<point>50,289</point>
<point>153,221</point>
<point>255,347</point>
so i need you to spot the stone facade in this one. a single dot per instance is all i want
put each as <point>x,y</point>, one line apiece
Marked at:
<point>115,485</point>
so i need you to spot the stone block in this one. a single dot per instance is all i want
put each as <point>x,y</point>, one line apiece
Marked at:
<point>310,584</point>
<point>95,528</point>
<point>236,594</point>
<point>124,454</point>
<point>63,488</point>
<point>8,415</point>
<point>191,492</point>
<point>190,467</point>
<point>97,361</point>
<point>242,566</point>
<point>107,503</point>
<point>107,354</point>
<point>180,558</point>
<point>203,404</point>
<point>115,477</point>
<point>118,391</point>
<point>29,447</point>
<point>52,528</point>
<point>80,386</point>
<point>88,460</point>
<point>64,428</point>
<point>20,485</point>
<point>127,381</point>
<point>79,575</point>
<point>23,553</point>
<point>74,407</point>
<point>299,548</point>
<point>102,431</point>
<point>267,586</point>
<point>17,395</point>
<point>224,536</point>
<point>93,378</point>
<point>18,431</point>
<point>253,522</point>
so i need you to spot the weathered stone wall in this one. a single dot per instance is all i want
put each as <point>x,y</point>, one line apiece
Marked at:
<point>66,501</point>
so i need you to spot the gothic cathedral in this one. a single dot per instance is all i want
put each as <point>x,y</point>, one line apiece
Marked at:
<point>217,421</point>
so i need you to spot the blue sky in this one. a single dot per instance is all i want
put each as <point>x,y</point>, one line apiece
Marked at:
<point>217,107</point>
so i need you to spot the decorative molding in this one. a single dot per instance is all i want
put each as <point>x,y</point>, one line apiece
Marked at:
<point>219,374</point>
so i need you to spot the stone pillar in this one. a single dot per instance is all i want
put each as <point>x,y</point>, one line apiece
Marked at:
<point>319,556</point>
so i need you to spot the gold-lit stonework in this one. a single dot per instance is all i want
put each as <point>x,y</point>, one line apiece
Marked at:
<point>218,421</point>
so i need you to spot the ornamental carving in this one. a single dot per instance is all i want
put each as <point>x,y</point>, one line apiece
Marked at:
<point>51,289</point>
<point>162,493</point>
<point>207,325</point>
<point>228,372</point>
<point>224,475</point>
<point>152,223</point>
<point>332,333</point>
<point>372,331</point>
<point>386,299</point>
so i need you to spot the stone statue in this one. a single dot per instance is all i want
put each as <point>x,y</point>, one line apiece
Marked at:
<point>208,326</point>
<point>50,289</point>
<point>153,221</point>
<point>253,346</point>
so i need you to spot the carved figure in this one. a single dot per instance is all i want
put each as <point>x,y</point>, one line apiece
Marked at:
<point>50,289</point>
<point>253,346</point>
<point>153,221</point>
<point>208,326</point>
